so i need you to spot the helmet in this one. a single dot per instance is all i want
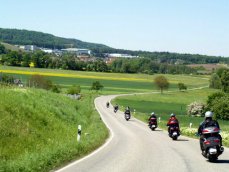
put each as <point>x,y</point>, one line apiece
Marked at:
<point>152,113</point>
<point>172,114</point>
<point>208,114</point>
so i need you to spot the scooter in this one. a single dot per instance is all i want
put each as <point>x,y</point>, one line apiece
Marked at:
<point>153,123</point>
<point>174,132</point>
<point>211,145</point>
<point>127,116</point>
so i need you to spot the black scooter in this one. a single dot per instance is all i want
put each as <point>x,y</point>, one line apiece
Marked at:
<point>211,145</point>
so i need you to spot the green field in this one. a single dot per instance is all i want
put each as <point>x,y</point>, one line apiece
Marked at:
<point>174,102</point>
<point>38,129</point>
<point>114,83</point>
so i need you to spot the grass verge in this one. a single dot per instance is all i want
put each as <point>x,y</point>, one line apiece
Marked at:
<point>38,129</point>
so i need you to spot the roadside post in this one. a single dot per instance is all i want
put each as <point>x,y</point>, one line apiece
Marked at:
<point>159,119</point>
<point>190,125</point>
<point>79,133</point>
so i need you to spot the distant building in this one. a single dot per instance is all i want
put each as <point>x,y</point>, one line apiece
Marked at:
<point>121,55</point>
<point>77,51</point>
<point>29,47</point>
<point>46,50</point>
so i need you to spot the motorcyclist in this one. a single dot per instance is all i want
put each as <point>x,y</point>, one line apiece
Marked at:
<point>116,107</point>
<point>108,104</point>
<point>208,122</point>
<point>153,115</point>
<point>173,122</point>
<point>127,111</point>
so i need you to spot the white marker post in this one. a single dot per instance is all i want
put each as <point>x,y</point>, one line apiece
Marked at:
<point>134,111</point>
<point>190,125</point>
<point>79,133</point>
<point>159,119</point>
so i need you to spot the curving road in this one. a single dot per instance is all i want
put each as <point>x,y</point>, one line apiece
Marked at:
<point>133,147</point>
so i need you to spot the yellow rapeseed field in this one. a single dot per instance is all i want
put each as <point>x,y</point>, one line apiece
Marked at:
<point>74,75</point>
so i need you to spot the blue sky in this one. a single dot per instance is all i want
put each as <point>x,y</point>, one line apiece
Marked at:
<point>183,26</point>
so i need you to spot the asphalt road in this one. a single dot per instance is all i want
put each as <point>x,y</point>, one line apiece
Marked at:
<point>133,147</point>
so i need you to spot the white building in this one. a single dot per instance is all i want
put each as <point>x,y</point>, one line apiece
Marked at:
<point>77,51</point>
<point>29,47</point>
<point>112,55</point>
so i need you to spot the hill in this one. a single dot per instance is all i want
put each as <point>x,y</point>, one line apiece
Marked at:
<point>25,37</point>
<point>40,134</point>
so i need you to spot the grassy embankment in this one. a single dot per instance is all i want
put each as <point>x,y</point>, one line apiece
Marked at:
<point>38,129</point>
<point>174,102</point>
<point>114,83</point>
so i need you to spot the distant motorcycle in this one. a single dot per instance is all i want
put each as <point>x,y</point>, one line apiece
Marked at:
<point>153,123</point>
<point>174,132</point>
<point>108,104</point>
<point>211,144</point>
<point>127,116</point>
<point>115,109</point>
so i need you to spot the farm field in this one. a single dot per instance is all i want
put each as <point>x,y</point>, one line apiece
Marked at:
<point>173,102</point>
<point>114,83</point>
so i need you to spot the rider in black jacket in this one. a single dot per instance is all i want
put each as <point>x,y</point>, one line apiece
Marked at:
<point>209,122</point>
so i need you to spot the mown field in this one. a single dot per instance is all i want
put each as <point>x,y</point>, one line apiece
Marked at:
<point>114,83</point>
<point>38,129</point>
<point>173,102</point>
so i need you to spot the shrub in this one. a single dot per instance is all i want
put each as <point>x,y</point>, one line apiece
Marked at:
<point>40,81</point>
<point>215,81</point>
<point>196,109</point>
<point>220,108</point>
<point>56,89</point>
<point>96,86</point>
<point>213,97</point>
<point>74,90</point>
<point>182,86</point>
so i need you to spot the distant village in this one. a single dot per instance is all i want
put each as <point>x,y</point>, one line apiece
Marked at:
<point>83,54</point>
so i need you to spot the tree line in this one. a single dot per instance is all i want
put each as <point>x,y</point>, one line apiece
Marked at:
<point>40,59</point>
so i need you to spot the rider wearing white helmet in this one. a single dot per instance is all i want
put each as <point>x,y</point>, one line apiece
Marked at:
<point>173,121</point>
<point>208,122</point>
<point>153,115</point>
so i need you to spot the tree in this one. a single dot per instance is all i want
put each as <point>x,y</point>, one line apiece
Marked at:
<point>2,49</point>
<point>225,81</point>
<point>96,86</point>
<point>215,81</point>
<point>182,86</point>
<point>161,82</point>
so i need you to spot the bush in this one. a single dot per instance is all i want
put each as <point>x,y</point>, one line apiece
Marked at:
<point>218,103</point>
<point>196,109</point>
<point>215,81</point>
<point>96,86</point>
<point>56,89</point>
<point>221,108</point>
<point>40,81</point>
<point>74,90</point>
<point>213,97</point>
<point>225,81</point>
<point>182,86</point>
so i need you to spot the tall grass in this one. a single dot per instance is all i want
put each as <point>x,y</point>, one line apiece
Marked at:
<point>38,129</point>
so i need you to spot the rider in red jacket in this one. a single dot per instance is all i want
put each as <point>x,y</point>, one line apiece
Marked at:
<point>173,121</point>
